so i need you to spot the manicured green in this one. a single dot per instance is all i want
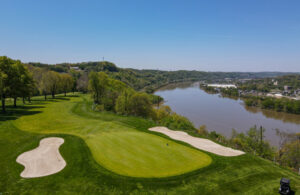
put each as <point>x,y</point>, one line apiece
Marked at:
<point>244,174</point>
<point>117,147</point>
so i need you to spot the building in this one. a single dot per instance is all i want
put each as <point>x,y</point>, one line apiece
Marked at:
<point>287,89</point>
<point>297,92</point>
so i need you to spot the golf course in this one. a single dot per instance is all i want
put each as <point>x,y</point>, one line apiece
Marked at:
<point>112,154</point>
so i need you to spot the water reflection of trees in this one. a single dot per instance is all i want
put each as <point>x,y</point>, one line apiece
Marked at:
<point>285,117</point>
<point>176,85</point>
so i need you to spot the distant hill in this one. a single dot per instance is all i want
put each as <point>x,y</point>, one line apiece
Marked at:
<point>150,79</point>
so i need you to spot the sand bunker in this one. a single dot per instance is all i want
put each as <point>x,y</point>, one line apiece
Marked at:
<point>43,160</point>
<point>200,143</point>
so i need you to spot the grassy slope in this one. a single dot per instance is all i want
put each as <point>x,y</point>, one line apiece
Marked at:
<point>241,175</point>
<point>117,147</point>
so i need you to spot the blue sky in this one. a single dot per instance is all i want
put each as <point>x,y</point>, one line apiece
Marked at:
<point>224,35</point>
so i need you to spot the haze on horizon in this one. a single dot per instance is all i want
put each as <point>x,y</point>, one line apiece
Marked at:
<point>233,35</point>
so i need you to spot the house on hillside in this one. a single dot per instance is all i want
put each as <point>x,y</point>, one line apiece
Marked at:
<point>287,90</point>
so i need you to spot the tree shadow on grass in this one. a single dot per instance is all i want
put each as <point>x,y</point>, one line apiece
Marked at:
<point>13,113</point>
<point>62,98</point>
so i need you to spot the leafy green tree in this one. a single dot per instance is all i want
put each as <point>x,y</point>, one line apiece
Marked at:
<point>53,82</point>
<point>291,153</point>
<point>45,85</point>
<point>66,82</point>
<point>98,83</point>
<point>122,102</point>
<point>2,88</point>
<point>28,84</point>
<point>24,83</point>
<point>16,81</point>
<point>140,105</point>
<point>7,73</point>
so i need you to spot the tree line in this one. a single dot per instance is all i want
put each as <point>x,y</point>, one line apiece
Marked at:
<point>18,80</point>
<point>149,80</point>
<point>277,104</point>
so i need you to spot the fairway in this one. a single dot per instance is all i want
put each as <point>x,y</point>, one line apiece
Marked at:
<point>118,147</point>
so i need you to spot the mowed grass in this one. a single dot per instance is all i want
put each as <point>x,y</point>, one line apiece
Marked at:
<point>246,174</point>
<point>118,147</point>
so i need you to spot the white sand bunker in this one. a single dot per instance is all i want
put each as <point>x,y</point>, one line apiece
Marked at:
<point>200,143</point>
<point>43,160</point>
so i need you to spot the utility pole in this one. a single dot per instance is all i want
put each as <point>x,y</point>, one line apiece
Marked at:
<point>261,140</point>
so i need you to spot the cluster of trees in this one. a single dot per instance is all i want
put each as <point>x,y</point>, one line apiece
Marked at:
<point>277,104</point>
<point>289,149</point>
<point>231,92</point>
<point>56,68</point>
<point>113,95</point>
<point>253,142</point>
<point>166,117</point>
<point>228,92</point>
<point>18,80</point>
<point>15,80</point>
<point>48,82</point>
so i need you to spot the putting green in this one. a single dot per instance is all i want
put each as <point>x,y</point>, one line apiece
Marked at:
<point>116,146</point>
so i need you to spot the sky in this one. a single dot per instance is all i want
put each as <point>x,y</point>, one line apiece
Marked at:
<point>207,35</point>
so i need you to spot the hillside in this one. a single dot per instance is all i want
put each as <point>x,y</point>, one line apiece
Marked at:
<point>152,79</point>
<point>111,154</point>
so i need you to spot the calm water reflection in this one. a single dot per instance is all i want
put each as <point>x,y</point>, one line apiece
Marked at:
<point>222,114</point>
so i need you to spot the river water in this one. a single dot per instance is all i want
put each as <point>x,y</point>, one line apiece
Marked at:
<point>222,114</point>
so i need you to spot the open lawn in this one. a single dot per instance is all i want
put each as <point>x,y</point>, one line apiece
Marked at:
<point>111,154</point>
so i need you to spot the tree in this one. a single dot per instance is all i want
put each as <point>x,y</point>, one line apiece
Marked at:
<point>82,83</point>
<point>140,105</point>
<point>7,75</point>
<point>16,81</point>
<point>113,90</point>
<point>45,85</point>
<point>2,88</point>
<point>289,149</point>
<point>202,130</point>
<point>122,102</point>
<point>24,82</point>
<point>98,83</point>
<point>37,76</point>
<point>66,83</point>
<point>54,82</point>
<point>291,152</point>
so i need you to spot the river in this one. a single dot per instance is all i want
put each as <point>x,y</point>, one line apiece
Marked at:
<point>222,114</point>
